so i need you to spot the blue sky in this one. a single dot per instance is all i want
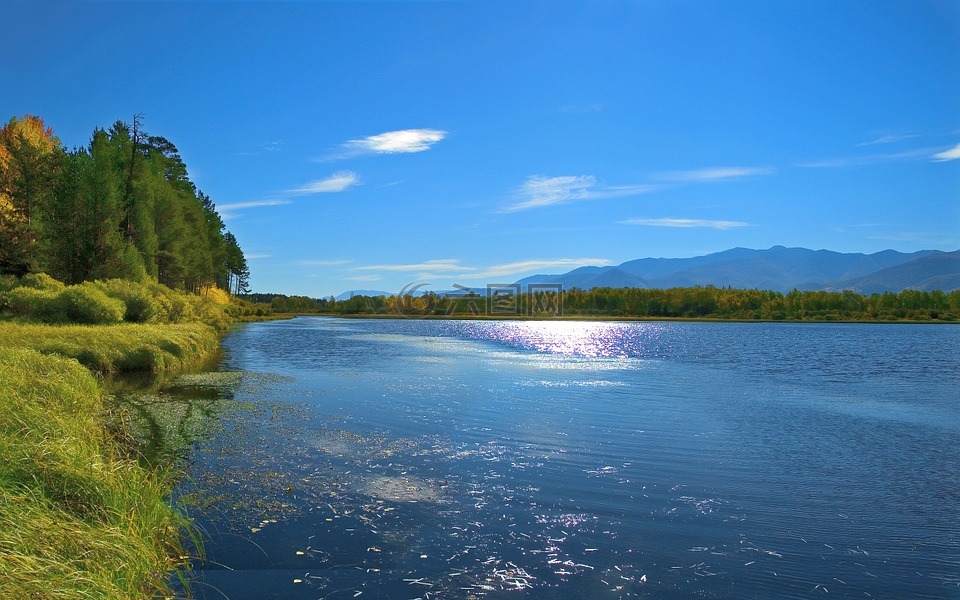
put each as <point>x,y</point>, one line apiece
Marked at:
<point>370,145</point>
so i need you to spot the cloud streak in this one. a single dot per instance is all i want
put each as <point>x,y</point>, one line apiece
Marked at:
<point>451,267</point>
<point>443,265</point>
<point>323,263</point>
<point>528,266</point>
<point>946,155</point>
<point>871,159</point>
<point>403,141</point>
<point>252,204</point>
<point>684,223</point>
<point>337,182</point>
<point>713,174</point>
<point>540,191</point>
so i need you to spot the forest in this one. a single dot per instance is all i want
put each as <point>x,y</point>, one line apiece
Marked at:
<point>676,303</point>
<point>122,207</point>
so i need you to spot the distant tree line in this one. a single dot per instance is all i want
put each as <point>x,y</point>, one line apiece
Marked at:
<point>681,303</point>
<point>122,207</point>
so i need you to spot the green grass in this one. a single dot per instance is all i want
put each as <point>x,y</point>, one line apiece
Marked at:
<point>81,516</point>
<point>78,519</point>
<point>112,348</point>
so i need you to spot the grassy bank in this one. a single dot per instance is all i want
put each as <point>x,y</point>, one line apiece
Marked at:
<point>77,518</point>
<point>80,516</point>
<point>112,348</point>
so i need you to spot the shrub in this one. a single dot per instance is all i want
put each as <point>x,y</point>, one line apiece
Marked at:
<point>8,282</point>
<point>35,304</point>
<point>41,281</point>
<point>140,304</point>
<point>86,303</point>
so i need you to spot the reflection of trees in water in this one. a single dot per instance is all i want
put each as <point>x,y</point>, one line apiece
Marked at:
<point>167,418</point>
<point>166,426</point>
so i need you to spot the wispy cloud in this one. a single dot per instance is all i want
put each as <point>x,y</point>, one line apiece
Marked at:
<point>443,265</point>
<point>871,159</point>
<point>530,266</point>
<point>232,210</point>
<point>337,182</point>
<point>451,267</point>
<point>685,223</point>
<point>234,206</point>
<point>364,278</point>
<point>951,154</point>
<point>273,146</point>
<point>323,263</point>
<point>403,141</point>
<point>540,191</point>
<point>256,256</point>
<point>713,174</point>
<point>889,139</point>
<point>919,237</point>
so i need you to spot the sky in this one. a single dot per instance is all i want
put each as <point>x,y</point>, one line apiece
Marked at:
<point>379,145</point>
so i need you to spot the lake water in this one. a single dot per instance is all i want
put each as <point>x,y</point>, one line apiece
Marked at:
<point>508,459</point>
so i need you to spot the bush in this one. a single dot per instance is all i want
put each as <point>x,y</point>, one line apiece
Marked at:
<point>8,282</point>
<point>140,305</point>
<point>41,281</point>
<point>34,304</point>
<point>86,303</point>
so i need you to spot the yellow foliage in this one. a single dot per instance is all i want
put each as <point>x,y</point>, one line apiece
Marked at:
<point>29,130</point>
<point>215,294</point>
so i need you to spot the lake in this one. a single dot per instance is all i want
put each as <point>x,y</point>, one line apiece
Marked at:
<point>355,458</point>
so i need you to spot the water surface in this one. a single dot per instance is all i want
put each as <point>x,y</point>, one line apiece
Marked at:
<point>459,459</point>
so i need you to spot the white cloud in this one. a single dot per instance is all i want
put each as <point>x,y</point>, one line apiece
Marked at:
<point>229,211</point>
<point>530,266</point>
<point>539,191</point>
<point>713,174</point>
<point>951,154</point>
<point>364,278</point>
<point>403,141</point>
<point>337,182</point>
<point>440,265</point>
<point>702,223</point>
<point>252,204</point>
<point>256,256</point>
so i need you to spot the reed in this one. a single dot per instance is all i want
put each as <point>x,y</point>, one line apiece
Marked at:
<point>77,518</point>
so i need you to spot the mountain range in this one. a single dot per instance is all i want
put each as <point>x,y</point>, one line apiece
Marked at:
<point>777,268</point>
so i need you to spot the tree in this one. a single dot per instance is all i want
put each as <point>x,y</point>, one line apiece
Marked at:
<point>29,155</point>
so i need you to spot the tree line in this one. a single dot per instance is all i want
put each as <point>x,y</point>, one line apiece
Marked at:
<point>121,207</point>
<point>676,303</point>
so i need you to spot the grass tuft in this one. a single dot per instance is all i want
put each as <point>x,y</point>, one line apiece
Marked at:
<point>113,348</point>
<point>77,518</point>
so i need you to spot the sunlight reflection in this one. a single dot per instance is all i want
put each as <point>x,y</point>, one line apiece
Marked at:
<point>575,338</point>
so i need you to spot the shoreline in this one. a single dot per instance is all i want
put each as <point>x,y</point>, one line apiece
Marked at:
<point>609,318</point>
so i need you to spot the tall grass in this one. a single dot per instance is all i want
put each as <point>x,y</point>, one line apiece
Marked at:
<point>123,347</point>
<point>77,518</point>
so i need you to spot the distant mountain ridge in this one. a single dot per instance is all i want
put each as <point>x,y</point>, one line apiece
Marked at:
<point>777,268</point>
